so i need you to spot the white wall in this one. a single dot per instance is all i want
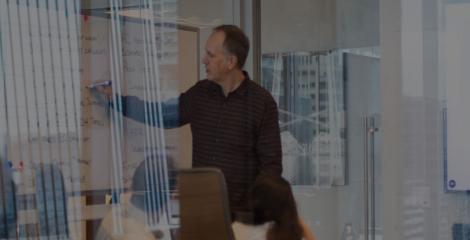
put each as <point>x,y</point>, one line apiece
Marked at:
<point>357,23</point>
<point>413,76</point>
<point>297,25</point>
<point>205,14</point>
<point>305,25</point>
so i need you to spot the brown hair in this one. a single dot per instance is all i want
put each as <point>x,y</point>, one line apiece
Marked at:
<point>235,42</point>
<point>272,201</point>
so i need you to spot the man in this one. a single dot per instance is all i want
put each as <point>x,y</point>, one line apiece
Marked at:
<point>234,121</point>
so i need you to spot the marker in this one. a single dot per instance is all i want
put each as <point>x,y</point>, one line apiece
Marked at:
<point>104,83</point>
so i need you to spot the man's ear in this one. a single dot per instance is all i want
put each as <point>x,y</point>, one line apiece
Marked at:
<point>232,61</point>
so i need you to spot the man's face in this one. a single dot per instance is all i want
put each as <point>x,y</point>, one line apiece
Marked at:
<point>216,59</point>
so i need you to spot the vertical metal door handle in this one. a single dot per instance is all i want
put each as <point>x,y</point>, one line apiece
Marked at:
<point>366,176</point>
<point>369,127</point>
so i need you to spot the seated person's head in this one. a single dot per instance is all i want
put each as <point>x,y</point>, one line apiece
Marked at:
<point>272,201</point>
<point>153,181</point>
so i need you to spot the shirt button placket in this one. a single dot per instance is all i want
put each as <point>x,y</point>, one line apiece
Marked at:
<point>216,140</point>
<point>220,114</point>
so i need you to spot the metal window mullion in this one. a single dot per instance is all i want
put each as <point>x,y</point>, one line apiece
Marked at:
<point>72,22</point>
<point>366,178</point>
<point>47,83</point>
<point>35,79</point>
<point>148,197</point>
<point>6,102</point>
<point>331,111</point>
<point>149,136</point>
<point>14,79</point>
<point>74,81</point>
<point>30,122</point>
<point>48,131</point>
<point>119,65</point>
<point>317,140</point>
<point>163,175</point>
<point>53,10</point>
<point>64,117</point>
<point>115,124</point>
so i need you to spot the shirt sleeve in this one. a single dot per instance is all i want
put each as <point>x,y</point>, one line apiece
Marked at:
<point>269,141</point>
<point>184,108</point>
<point>164,114</point>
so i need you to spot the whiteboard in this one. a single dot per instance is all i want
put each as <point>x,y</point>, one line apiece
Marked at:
<point>177,47</point>
<point>52,119</point>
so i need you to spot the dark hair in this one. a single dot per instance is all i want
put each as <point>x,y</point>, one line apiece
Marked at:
<point>235,42</point>
<point>272,201</point>
<point>149,192</point>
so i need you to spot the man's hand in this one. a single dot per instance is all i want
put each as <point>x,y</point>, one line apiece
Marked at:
<point>103,87</point>
<point>106,90</point>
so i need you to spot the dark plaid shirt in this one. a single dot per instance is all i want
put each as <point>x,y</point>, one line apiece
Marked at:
<point>238,134</point>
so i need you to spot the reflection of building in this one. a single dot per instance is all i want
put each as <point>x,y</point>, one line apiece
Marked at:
<point>329,155</point>
<point>421,172</point>
<point>308,88</point>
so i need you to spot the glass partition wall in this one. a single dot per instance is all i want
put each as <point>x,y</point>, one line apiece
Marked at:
<point>372,110</point>
<point>320,60</point>
<point>72,166</point>
<point>425,79</point>
<point>40,117</point>
<point>374,139</point>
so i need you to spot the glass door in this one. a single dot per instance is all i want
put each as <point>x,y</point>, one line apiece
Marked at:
<point>320,61</point>
<point>363,191</point>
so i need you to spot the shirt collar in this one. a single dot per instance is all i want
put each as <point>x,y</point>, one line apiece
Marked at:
<point>242,89</point>
<point>216,89</point>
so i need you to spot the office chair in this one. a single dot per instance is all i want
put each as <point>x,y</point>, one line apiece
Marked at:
<point>460,231</point>
<point>51,201</point>
<point>204,208</point>
<point>8,209</point>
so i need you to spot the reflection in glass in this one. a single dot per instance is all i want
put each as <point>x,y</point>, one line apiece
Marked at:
<point>308,87</point>
<point>59,143</point>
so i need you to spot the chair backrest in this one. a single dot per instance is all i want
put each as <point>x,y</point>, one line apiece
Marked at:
<point>51,201</point>
<point>204,207</point>
<point>7,202</point>
<point>460,231</point>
